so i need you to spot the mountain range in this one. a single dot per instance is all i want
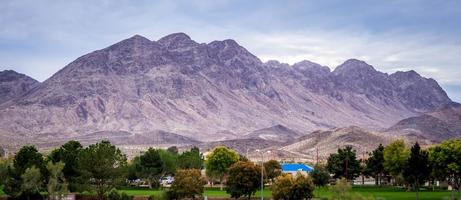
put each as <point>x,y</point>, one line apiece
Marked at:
<point>177,91</point>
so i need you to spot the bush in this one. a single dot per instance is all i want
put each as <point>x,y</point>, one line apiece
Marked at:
<point>161,196</point>
<point>288,188</point>
<point>320,176</point>
<point>341,191</point>
<point>188,183</point>
<point>115,195</point>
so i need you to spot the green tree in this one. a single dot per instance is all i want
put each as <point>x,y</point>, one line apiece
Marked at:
<point>445,160</point>
<point>170,161</point>
<point>375,164</point>
<point>57,186</point>
<point>244,179</point>
<point>151,166</point>
<point>103,164</point>
<point>2,152</point>
<point>134,167</point>
<point>173,149</point>
<point>395,158</point>
<point>31,183</point>
<point>69,155</point>
<point>219,161</point>
<point>192,159</point>
<point>272,169</point>
<point>4,165</point>
<point>27,157</point>
<point>344,163</point>
<point>188,183</point>
<point>320,175</point>
<point>417,169</point>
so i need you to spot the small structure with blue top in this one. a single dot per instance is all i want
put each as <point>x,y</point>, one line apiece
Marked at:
<point>294,168</point>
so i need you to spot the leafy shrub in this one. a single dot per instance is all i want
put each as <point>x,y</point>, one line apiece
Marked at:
<point>341,191</point>
<point>286,187</point>
<point>115,195</point>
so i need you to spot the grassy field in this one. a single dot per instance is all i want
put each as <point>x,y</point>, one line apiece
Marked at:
<point>209,192</point>
<point>216,192</point>
<point>381,193</point>
<point>389,193</point>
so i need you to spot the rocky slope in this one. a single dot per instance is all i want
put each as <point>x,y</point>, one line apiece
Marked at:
<point>327,142</point>
<point>208,92</point>
<point>14,85</point>
<point>440,125</point>
<point>278,134</point>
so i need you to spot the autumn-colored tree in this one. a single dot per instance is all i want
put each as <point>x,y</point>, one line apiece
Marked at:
<point>281,187</point>
<point>188,183</point>
<point>244,179</point>
<point>287,187</point>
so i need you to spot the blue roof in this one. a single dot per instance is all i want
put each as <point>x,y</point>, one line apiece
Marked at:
<point>290,167</point>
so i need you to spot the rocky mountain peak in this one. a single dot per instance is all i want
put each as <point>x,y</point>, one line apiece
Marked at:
<point>134,40</point>
<point>230,51</point>
<point>10,75</point>
<point>176,41</point>
<point>208,92</point>
<point>407,75</point>
<point>307,65</point>
<point>14,84</point>
<point>354,66</point>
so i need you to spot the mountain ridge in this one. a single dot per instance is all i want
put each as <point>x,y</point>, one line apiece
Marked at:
<point>209,92</point>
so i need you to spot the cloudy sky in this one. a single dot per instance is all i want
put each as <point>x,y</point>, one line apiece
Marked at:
<point>40,37</point>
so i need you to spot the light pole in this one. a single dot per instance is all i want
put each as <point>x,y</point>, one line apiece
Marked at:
<point>262,171</point>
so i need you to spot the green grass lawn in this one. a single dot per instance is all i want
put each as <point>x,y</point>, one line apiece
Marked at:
<point>209,192</point>
<point>216,192</point>
<point>389,193</point>
<point>141,192</point>
<point>381,193</point>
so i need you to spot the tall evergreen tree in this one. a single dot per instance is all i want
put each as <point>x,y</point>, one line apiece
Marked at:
<point>102,164</point>
<point>152,166</point>
<point>344,163</point>
<point>417,168</point>
<point>375,164</point>
<point>69,155</point>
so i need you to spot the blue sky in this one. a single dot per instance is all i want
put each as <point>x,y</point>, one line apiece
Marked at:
<point>40,37</point>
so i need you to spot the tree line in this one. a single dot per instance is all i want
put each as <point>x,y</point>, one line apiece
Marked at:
<point>397,164</point>
<point>97,168</point>
<point>102,167</point>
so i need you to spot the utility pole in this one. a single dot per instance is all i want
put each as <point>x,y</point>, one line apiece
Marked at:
<point>262,172</point>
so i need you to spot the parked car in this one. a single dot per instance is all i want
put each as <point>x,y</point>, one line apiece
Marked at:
<point>167,180</point>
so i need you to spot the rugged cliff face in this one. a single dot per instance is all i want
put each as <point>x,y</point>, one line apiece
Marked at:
<point>208,92</point>
<point>437,126</point>
<point>14,85</point>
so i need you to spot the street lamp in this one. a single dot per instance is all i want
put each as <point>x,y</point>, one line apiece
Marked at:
<point>262,171</point>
